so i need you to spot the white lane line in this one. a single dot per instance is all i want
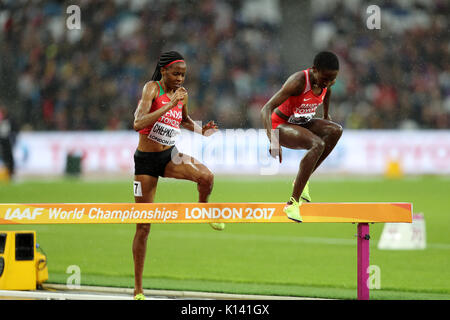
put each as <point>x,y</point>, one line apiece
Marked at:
<point>173,294</point>
<point>45,295</point>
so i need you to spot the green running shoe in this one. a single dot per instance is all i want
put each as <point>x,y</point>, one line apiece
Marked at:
<point>219,226</point>
<point>305,194</point>
<point>139,296</point>
<point>293,210</point>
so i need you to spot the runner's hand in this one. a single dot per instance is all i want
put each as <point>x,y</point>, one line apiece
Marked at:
<point>209,129</point>
<point>276,152</point>
<point>178,96</point>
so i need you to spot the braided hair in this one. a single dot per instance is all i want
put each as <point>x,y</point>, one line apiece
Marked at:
<point>165,59</point>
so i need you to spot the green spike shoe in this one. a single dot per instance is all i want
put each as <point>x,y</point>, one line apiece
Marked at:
<point>293,210</point>
<point>305,194</point>
<point>139,296</point>
<point>219,226</point>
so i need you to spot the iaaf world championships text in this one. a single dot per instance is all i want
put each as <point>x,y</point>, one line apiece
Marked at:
<point>96,213</point>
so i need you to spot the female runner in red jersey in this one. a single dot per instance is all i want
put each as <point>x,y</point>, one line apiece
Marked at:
<point>291,111</point>
<point>160,112</point>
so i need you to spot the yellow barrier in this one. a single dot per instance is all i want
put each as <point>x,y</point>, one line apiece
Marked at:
<point>360,213</point>
<point>67,213</point>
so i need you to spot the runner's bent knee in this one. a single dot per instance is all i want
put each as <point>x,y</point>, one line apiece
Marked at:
<point>340,130</point>
<point>206,179</point>
<point>337,129</point>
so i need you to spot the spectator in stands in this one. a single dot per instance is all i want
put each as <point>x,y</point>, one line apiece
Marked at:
<point>89,79</point>
<point>7,140</point>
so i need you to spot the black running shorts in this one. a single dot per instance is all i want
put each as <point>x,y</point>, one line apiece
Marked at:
<point>152,163</point>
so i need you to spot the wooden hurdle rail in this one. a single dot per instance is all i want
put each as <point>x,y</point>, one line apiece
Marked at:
<point>106,213</point>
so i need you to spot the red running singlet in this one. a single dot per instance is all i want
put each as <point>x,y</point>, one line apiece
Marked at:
<point>167,127</point>
<point>300,109</point>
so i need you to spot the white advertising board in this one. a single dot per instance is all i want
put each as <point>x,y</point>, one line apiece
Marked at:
<point>238,151</point>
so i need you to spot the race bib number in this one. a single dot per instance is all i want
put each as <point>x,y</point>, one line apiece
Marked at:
<point>164,134</point>
<point>137,189</point>
<point>300,118</point>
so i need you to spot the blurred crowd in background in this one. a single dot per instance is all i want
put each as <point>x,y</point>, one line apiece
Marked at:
<point>394,77</point>
<point>54,78</point>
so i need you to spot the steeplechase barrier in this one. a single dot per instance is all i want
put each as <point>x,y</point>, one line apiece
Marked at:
<point>132,213</point>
